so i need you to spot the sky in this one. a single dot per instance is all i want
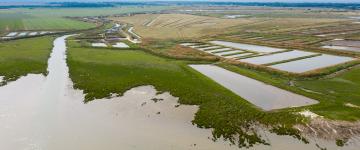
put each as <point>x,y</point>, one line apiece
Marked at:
<point>320,1</point>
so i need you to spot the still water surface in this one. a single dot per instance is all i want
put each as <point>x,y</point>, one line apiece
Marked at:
<point>264,96</point>
<point>308,64</point>
<point>250,47</point>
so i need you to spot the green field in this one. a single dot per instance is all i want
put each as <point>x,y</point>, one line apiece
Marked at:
<point>11,21</point>
<point>53,19</point>
<point>100,72</point>
<point>44,23</point>
<point>21,57</point>
<point>21,21</point>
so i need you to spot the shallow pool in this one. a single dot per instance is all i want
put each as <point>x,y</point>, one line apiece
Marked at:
<point>188,44</point>
<point>33,33</point>
<point>304,65</point>
<point>197,46</point>
<point>218,50</point>
<point>208,48</point>
<point>120,45</point>
<point>277,57</point>
<point>12,34</point>
<point>238,55</point>
<point>228,52</point>
<point>22,33</point>
<point>255,48</point>
<point>264,96</point>
<point>98,45</point>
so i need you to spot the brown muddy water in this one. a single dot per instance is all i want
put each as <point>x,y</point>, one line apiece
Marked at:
<point>46,113</point>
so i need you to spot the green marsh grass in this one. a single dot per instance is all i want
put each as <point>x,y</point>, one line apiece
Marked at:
<point>338,90</point>
<point>21,57</point>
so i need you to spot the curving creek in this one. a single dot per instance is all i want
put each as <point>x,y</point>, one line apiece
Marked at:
<point>45,113</point>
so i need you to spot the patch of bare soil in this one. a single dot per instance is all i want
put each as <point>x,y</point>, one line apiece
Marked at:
<point>330,129</point>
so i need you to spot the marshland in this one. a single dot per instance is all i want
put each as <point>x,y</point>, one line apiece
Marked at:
<point>204,75</point>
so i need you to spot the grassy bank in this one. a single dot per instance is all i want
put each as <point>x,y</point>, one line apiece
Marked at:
<point>100,72</point>
<point>24,56</point>
<point>54,18</point>
<point>341,92</point>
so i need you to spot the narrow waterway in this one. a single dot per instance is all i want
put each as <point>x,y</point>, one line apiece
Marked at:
<point>38,112</point>
<point>46,113</point>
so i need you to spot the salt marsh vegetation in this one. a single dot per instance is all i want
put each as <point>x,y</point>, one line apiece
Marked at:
<point>140,74</point>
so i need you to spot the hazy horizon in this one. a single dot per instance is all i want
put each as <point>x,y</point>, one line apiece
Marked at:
<point>287,1</point>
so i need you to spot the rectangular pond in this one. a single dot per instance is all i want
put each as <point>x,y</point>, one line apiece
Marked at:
<point>277,57</point>
<point>22,33</point>
<point>218,50</point>
<point>188,44</point>
<point>304,65</point>
<point>197,46</point>
<point>12,34</point>
<point>98,45</point>
<point>33,33</point>
<point>120,45</point>
<point>255,48</point>
<point>258,93</point>
<point>238,55</point>
<point>343,45</point>
<point>208,48</point>
<point>228,52</point>
<point>343,48</point>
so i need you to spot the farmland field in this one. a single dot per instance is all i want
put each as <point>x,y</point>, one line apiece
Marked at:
<point>52,19</point>
<point>47,23</point>
<point>22,21</point>
<point>178,26</point>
